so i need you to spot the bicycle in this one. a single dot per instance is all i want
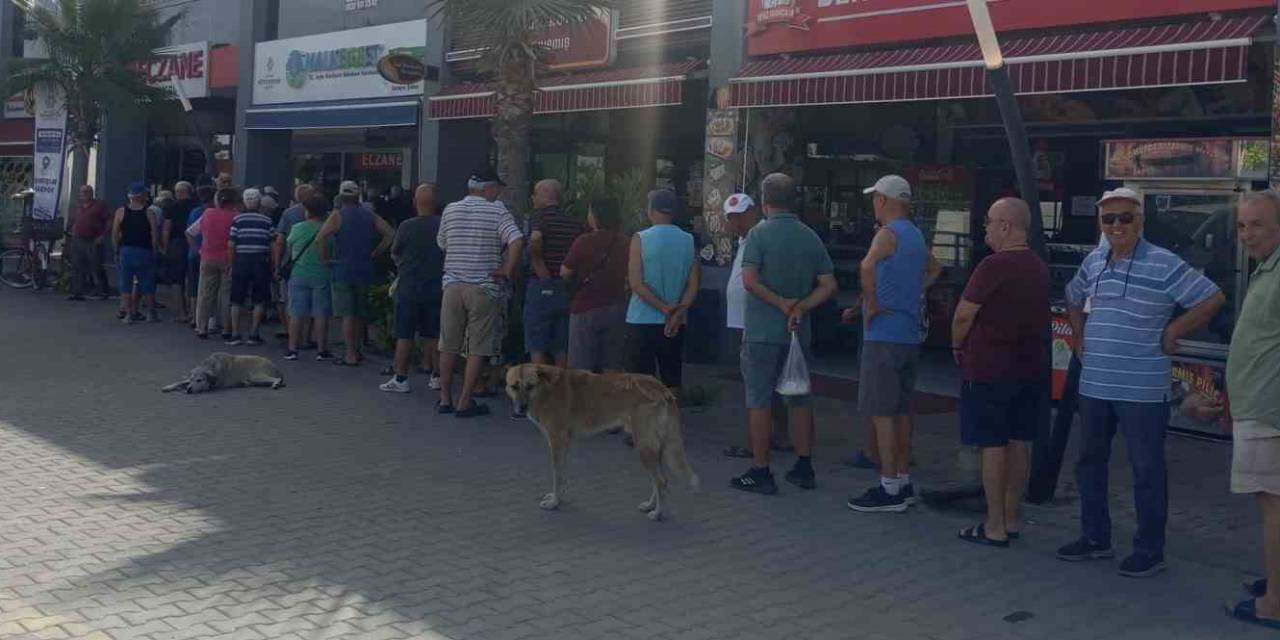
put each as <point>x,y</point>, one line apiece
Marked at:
<point>28,263</point>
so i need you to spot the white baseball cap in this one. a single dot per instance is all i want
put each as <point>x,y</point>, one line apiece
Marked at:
<point>1123,193</point>
<point>348,188</point>
<point>738,203</point>
<point>891,186</point>
<point>251,196</point>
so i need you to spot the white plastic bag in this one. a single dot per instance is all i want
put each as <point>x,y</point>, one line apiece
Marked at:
<point>794,380</point>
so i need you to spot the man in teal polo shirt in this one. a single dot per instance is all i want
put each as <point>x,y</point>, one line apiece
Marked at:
<point>787,272</point>
<point>1253,380</point>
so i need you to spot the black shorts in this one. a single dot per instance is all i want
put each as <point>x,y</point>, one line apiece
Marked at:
<point>251,281</point>
<point>417,313</point>
<point>654,354</point>
<point>994,413</point>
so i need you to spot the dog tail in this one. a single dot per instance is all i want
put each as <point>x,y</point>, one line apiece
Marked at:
<point>673,453</point>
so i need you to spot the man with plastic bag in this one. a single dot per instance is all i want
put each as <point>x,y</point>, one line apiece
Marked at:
<point>788,272</point>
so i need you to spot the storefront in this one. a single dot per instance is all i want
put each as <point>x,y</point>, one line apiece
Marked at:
<point>17,135</point>
<point>838,93</point>
<point>349,101</point>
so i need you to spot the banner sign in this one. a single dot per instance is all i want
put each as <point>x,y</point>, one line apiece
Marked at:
<point>788,26</point>
<point>335,66</point>
<point>1171,159</point>
<point>590,44</point>
<point>16,107</point>
<point>50,141</point>
<point>188,64</point>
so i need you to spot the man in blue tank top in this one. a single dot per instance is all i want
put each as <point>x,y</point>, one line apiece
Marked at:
<point>359,236</point>
<point>895,273</point>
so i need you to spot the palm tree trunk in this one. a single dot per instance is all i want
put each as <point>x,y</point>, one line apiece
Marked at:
<point>515,99</point>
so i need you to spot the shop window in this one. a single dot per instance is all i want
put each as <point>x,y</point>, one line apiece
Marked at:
<point>1051,217</point>
<point>951,237</point>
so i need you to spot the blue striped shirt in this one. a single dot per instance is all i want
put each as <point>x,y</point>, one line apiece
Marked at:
<point>252,233</point>
<point>1132,301</point>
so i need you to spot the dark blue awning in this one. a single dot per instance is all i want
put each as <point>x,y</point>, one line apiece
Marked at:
<point>335,116</point>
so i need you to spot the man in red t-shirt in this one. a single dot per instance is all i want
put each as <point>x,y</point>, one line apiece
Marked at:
<point>998,336</point>
<point>88,231</point>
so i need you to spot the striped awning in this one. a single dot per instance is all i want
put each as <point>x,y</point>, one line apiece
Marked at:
<point>1204,52</point>
<point>622,88</point>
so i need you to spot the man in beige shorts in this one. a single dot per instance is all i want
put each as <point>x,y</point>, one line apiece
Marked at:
<point>474,233</point>
<point>1253,380</point>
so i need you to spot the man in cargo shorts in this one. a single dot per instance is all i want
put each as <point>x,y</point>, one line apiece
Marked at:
<point>787,272</point>
<point>473,235</point>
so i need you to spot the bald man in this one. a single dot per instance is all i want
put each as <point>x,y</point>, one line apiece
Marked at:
<point>546,301</point>
<point>997,337</point>
<point>419,270</point>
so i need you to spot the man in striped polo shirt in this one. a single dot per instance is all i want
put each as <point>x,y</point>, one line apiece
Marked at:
<point>546,302</point>
<point>474,232</point>
<point>1130,288</point>
<point>250,249</point>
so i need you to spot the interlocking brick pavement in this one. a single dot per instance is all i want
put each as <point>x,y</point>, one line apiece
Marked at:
<point>330,510</point>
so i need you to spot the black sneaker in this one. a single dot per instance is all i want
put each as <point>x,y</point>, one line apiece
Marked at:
<point>877,500</point>
<point>1142,565</point>
<point>1085,549</point>
<point>802,478</point>
<point>755,481</point>
<point>232,341</point>
<point>254,341</point>
<point>291,355</point>
<point>908,493</point>
<point>324,356</point>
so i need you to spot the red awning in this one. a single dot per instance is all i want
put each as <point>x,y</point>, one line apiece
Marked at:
<point>17,137</point>
<point>1205,52</point>
<point>622,88</point>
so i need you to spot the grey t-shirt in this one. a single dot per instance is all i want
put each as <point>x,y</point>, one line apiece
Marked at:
<point>291,216</point>
<point>789,257</point>
<point>419,259</point>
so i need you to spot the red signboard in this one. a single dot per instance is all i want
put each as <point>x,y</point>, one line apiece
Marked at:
<point>379,161</point>
<point>584,45</point>
<point>784,26</point>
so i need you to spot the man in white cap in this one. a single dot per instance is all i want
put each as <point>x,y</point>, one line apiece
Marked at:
<point>741,215</point>
<point>1130,289</point>
<point>895,273</point>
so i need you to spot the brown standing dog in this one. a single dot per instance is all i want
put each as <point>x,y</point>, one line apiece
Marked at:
<point>564,403</point>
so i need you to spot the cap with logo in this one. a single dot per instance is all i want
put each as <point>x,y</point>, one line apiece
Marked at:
<point>891,186</point>
<point>348,188</point>
<point>251,196</point>
<point>1123,193</point>
<point>664,201</point>
<point>738,203</point>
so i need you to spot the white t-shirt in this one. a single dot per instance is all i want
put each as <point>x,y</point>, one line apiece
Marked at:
<point>735,295</point>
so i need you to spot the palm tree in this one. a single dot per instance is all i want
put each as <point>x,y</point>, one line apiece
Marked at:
<point>512,59</point>
<point>88,47</point>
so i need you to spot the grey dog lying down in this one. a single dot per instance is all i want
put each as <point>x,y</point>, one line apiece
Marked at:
<point>223,370</point>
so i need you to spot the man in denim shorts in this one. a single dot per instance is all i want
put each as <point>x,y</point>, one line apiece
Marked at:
<point>787,272</point>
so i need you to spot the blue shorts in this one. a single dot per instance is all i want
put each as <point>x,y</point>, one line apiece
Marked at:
<point>546,317</point>
<point>417,311</point>
<point>137,263</point>
<point>309,298</point>
<point>994,413</point>
<point>251,280</point>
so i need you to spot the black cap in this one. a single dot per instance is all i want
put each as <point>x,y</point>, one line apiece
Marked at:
<point>487,174</point>
<point>664,201</point>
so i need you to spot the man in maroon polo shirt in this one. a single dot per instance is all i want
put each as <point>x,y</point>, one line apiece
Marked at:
<point>88,232</point>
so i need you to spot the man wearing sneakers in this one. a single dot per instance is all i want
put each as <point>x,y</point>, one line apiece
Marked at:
<point>358,237</point>
<point>895,272</point>
<point>419,269</point>
<point>251,274</point>
<point>1130,289</point>
<point>787,272</point>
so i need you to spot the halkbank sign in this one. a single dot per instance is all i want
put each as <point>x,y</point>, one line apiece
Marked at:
<point>336,66</point>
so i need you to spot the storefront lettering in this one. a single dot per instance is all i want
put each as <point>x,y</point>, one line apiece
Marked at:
<point>189,65</point>
<point>778,12</point>
<point>302,64</point>
<point>379,161</point>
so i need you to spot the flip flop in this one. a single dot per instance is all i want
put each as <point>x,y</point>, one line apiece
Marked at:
<point>977,534</point>
<point>737,452</point>
<point>1247,611</point>
<point>443,409</point>
<point>475,410</point>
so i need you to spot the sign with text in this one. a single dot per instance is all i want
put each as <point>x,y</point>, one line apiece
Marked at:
<point>50,141</point>
<point>187,64</point>
<point>569,47</point>
<point>16,107</point>
<point>786,26</point>
<point>379,161</point>
<point>335,66</point>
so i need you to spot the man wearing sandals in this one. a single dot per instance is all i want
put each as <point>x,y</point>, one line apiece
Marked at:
<point>997,337</point>
<point>1253,377</point>
<point>473,235</point>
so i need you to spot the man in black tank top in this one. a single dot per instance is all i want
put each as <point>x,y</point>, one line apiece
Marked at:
<point>135,235</point>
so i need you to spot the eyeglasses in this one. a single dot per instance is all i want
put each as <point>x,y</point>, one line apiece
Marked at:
<point>1110,266</point>
<point>1122,218</point>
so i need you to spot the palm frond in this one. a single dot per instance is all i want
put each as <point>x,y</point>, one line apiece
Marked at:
<point>504,21</point>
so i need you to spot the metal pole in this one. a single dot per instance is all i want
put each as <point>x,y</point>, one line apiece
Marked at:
<point>1020,152</point>
<point>1274,168</point>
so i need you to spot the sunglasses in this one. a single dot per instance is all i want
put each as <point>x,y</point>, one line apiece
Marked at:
<point>1113,218</point>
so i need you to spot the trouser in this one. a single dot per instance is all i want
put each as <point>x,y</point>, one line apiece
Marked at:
<point>1143,427</point>
<point>214,295</point>
<point>87,268</point>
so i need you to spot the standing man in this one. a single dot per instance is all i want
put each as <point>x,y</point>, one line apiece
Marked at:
<point>474,232</point>
<point>419,270</point>
<point>997,336</point>
<point>896,272</point>
<point>173,237</point>
<point>251,273</point>
<point>788,272</point>
<point>204,200</point>
<point>352,227</point>
<point>664,276</point>
<point>1253,377</point>
<point>212,230</point>
<point>546,302</point>
<point>1131,288</point>
<point>741,216</point>
<point>88,231</point>
<point>136,237</point>
<point>291,216</point>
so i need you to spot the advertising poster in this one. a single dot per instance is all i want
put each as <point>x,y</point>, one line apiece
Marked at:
<point>722,172</point>
<point>1199,399</point>
<point>50,141</point>
<point>335,66</point>
<point>1064,343</point>
<point>1171,159</point>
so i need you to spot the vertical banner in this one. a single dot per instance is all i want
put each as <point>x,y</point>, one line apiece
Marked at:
<point>723,171</point>
<point>50,141</point>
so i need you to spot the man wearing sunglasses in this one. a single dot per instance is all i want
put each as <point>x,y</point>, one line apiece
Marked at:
<point>1130,288</point>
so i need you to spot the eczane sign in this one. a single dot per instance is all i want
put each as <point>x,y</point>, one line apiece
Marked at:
<point>186,63</point>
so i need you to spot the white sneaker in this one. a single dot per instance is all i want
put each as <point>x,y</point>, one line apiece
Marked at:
<point>434,382</point>
<point>392,386</point>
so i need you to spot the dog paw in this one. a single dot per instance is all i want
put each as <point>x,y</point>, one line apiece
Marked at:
<point>655,515</point>
<point>645,506</point>
<point>549,502</point>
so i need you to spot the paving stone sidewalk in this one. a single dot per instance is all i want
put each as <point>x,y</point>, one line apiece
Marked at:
<point>330,510</point>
